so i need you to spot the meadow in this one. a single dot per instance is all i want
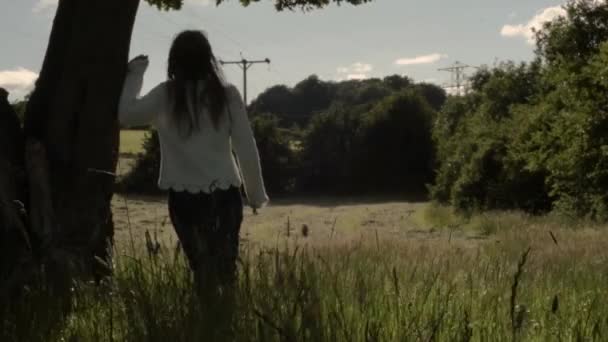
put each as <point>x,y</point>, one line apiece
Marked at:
<point>326,269</point>
<point>131,142</point>
<point>526,136</point>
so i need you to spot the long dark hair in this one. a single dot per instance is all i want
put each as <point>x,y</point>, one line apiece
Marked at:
<point>191,60</point>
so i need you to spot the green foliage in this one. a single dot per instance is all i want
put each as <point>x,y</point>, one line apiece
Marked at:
<point>277,157</point>
<point>534,136</point>
<point>478,168</point>
<point>396,151</point>
<point>366,136</point>
<point>295,105</point>
<point>311,96</point>
<point>280,5</point>
<point>143,178</point>
<point>573,39</point>
<point>328,151</point>
<point>565,130</point>
<point>166,5</point>
<point>361,92</point>
<point>433,94</point>
<point>276,99</point>
<point>306,5</point>
<point>397,82</point>
<point>567,138</point>
<point>387,149</point>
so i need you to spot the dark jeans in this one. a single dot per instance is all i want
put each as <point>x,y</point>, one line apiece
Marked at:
<point>208,228</point>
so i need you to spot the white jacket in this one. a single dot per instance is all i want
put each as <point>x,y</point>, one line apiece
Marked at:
<point>203,161</point>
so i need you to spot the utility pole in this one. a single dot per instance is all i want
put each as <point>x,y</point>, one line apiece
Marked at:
<point>245,64</point>
<point>458,77</point>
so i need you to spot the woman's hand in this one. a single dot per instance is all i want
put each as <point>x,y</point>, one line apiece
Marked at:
<point>139,63</point>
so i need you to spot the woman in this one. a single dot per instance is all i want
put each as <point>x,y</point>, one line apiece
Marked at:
<point>200,121</point>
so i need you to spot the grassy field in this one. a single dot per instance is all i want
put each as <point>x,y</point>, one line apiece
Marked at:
<point>131,141</point>
<point>368,270</point>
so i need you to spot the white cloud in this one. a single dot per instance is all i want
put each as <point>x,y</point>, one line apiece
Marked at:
<point>425,59</point>
<point>527,30</point>
<point>356,76</point>
<point>356,71</point>
<point>361,68</point>
<point>42,5</point>
<point>18,82</point>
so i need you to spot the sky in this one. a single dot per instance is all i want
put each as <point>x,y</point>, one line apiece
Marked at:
<point>385,37</point>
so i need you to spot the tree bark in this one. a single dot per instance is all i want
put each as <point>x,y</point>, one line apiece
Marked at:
<point>73,113</point>
<point>15,244</point>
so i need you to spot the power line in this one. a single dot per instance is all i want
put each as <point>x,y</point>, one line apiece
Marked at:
<point>178,26</point>
<point>245,64</point>
<point>458,77</point>
<point>216,28</point>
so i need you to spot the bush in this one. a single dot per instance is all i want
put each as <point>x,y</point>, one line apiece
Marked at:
<point>534,136</point>
<point>143,178</point>
<point>566,139</point>
<point>378,141</point>
<point>479,168</point>
<point>278,159</point>
<point>297,105</point>
<point>387,149</point>
<point>396,149</point>
<point>328,149</point>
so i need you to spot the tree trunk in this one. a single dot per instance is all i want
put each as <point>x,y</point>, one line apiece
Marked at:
<point>14,239</point>
<point>72,112</point>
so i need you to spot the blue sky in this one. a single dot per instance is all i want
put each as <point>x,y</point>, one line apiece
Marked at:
<point>385,37</point>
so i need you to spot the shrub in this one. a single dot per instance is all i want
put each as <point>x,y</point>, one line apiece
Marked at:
<point>396,151</point>
<point>385,149</point>
<point>566,139</point>
<point>479,168</point>
<point>143,178</point>
<point>328,149</point>
<point>278,159</point>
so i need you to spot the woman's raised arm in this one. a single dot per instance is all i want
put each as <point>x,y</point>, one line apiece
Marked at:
<point>133,110</point>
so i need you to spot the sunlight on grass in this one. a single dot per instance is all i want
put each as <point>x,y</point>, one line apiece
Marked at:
<point>410,290</point>
<point>131,141</point>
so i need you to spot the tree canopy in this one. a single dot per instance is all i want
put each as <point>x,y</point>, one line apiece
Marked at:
<point>312,95</point>
<point>348,137</point>
<point>534,136</point>
<point>280,5</point>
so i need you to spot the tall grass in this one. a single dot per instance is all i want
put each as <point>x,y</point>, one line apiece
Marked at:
<point>418,290</point>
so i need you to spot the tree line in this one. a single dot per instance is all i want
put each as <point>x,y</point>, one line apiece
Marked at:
<point>348,137</point>
<point>534,136</point>
<point>530,136</point>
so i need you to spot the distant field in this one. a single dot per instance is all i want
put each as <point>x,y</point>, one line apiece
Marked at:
<point>131,141</point>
